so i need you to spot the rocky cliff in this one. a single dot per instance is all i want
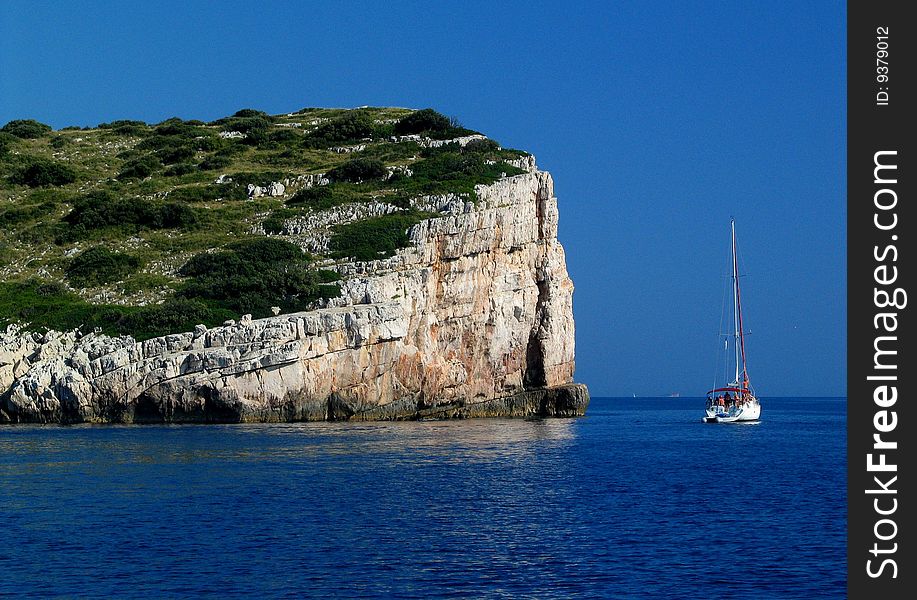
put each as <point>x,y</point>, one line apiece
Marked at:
<point>473,319</point>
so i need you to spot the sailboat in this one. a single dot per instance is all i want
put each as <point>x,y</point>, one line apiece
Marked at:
<point>736,401</point>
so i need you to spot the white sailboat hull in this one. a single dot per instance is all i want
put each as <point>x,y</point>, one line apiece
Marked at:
<point>748,412</point>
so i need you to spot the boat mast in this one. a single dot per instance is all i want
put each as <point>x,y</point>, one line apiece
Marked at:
<point>737,315</point>
<point>725,359</point>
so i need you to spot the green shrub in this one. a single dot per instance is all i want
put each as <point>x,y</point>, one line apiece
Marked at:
<point>130,154</point>
<point>374,238</point>
<point>126,127</point>
<point>26,128</point>
<point>250,112</point>
<point>485,146</point>
<point>209,143</point>
<point>246,124</point>
<point>122,123</point>
<point>328,276</point>
<point>274,225</point>
<point>217,161</point>
<point>174,315</point>
<point>209,193</point>
<point>21,214</point>
<point>6,142</point>
<point>231,148</point>
<point>153,142</point>
<point>423,121</point>
<point>444,166</point>
<point>256,137</point>
<point>358,169</point>
<point>169,215</point>
<point>350,127</point>
<point>50,289</point>
<point>268,251</point>
<point>140,168</point>
<point>253,123</point>
<point>176,154</point>
<point>335,194</point>
<point>60,141</point>
<point>131,130</point>
<point>49,306</point>
<point>180,169</point>
<point>179,128</point>
<point>256,252</point>
<point>432,124</point>
<point>39,233</point>
<point>285,134</point>
<point>254,275</point>
<point>212,264</point>
<point>316,196</point>
<point>100,265</point>
<point>383,130</point>
<point>49,196</point>
<point>281,137</point>
<point>99,210</point>
<point>42,171</point>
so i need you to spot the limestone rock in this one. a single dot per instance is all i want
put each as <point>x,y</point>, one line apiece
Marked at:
<point>473,319</point>
<point>275,188</point>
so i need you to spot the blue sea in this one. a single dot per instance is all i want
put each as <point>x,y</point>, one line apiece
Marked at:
<point>638,499</point>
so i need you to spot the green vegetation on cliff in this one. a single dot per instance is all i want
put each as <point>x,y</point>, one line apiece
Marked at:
<point>147,229</point>
<point>374,238</point>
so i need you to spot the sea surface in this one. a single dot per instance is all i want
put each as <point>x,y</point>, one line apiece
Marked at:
<point>638,499</point>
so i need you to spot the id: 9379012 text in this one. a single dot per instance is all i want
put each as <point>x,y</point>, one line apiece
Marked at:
<point>882,61</point>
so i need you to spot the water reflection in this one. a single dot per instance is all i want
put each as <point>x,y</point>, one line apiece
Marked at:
<point>52,448</point>
<point>485,436</point>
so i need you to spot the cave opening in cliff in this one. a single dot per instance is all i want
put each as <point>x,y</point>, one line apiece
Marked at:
<point>535,376</point>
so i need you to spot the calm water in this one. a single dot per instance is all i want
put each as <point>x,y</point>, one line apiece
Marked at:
<point>638,499</point>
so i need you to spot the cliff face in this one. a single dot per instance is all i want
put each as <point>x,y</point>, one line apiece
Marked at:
<point>473,319</point>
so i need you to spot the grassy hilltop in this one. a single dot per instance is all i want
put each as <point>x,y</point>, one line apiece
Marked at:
<point>151,229</point>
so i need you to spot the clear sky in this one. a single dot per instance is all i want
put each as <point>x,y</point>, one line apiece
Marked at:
<point>658,120</point>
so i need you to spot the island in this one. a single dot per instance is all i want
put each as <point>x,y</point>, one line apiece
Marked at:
<point>323,264</point>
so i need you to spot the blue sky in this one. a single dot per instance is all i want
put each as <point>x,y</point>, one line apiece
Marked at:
<point>658,120</point>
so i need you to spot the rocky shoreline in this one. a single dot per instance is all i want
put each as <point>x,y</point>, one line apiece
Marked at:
<point>562,401</point>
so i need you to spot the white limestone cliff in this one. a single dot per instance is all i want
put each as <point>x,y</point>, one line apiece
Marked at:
<point>473,319</point>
